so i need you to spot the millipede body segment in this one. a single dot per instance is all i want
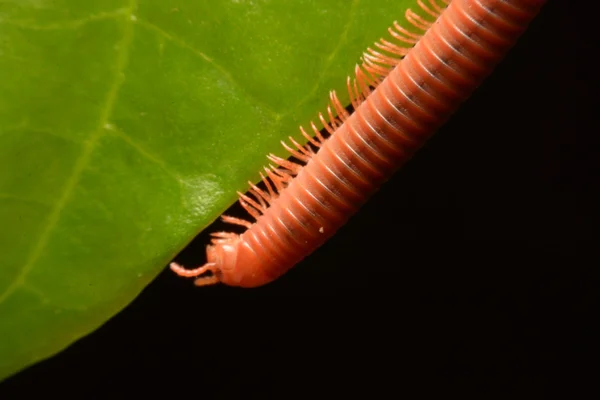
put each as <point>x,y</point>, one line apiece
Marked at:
<point>401,95</point>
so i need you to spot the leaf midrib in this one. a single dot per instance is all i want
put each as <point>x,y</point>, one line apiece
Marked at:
<point>121,61</point>
<point>104,123</point>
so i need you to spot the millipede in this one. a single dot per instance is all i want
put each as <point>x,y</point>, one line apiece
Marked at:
<point>404,89</point>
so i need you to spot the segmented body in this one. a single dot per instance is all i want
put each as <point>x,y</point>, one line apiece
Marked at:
<point>416,90</point>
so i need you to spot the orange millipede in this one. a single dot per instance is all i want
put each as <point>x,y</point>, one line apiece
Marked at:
<point>400,97</point>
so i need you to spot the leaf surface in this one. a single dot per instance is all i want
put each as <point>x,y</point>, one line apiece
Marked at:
<point>126,127</point>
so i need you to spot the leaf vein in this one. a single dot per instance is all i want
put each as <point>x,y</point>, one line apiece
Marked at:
<point>64,25</point>
<point>223,71</point>
<point>145,153</point>
<point>23,128</point>
<point>331,57</point>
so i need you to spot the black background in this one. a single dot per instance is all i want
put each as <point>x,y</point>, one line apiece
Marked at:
<point>460,269</point>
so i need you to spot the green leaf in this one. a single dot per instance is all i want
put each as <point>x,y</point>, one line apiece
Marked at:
<point>126,127</point>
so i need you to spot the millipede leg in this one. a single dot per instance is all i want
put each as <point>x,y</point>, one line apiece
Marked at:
<point>207,280</point>
<point>236,221</point>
